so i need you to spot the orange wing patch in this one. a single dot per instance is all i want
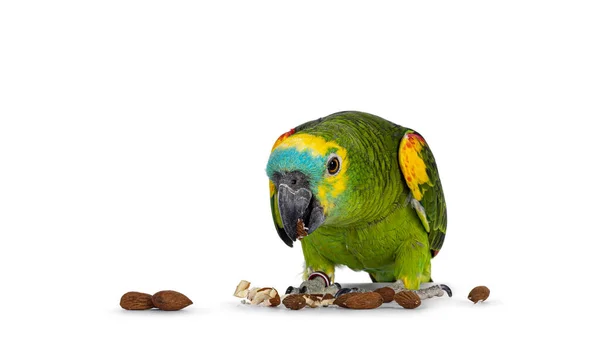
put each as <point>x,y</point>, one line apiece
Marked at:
<point>412,165</point>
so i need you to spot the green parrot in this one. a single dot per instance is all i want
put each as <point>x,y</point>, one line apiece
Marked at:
<point>358,191</point>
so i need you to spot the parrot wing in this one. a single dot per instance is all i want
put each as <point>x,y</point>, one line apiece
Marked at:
<point>421,175</point>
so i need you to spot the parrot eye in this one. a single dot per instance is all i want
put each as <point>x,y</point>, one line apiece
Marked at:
<point>333,166</point>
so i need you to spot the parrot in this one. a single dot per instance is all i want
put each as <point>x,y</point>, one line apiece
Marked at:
<point>358,191</point>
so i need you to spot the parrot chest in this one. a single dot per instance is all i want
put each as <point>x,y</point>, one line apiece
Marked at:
<point>357,251</point>
<point>369,247</point>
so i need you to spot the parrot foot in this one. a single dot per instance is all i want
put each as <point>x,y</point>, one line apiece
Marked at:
<point>446,289</point>
<point>425,293</point>
<point>317,283</point>
<point>343,291</point>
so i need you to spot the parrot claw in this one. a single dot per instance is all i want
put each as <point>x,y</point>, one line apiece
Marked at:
<point>343,291</point>
<point>446,289</point>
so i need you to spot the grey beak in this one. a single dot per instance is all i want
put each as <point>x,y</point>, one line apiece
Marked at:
<point>293,205</point>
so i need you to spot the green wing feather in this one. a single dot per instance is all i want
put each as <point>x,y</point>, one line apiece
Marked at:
<point>421,175</point>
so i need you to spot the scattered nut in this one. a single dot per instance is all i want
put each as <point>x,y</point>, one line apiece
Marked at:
<point>241,291</point>
<point>316,300</point>
<point>136,301</point>
<point>360,301</point>
<point>311,301</point>
<point>170,300</point>
<point>260,297</point>
<point>252,293</point>
<point>479,293</point>
<point>275,299</point>
<point>387,293</point>
<point>408,299</point>
<point>327,300</point>
<point>300,230</point>
<point>266,297</point>
<point>341,300</point>
<point>294,301</point>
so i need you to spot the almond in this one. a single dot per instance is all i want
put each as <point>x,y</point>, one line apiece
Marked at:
<point>360,301</point>
<point>252,293</point>
<point>170,300</point>
<point>136,301</point>
<point>327,300</point>
<point>408,299</point>
<point>294,301</point>
<point>387,293</point>
<point>310,303</point>
<point>313,300</point>
<point>300,231</point>
<point>260,297</point>
<point>341,300</point>
<point>275,299</point>
<point>479,293</point>
<point>241,291</point>
<point>267,296</point>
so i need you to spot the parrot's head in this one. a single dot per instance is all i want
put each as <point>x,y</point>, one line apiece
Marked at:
<point>307,179</point>
<point>336,173</point>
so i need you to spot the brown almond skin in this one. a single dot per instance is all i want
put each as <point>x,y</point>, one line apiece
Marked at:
<point>170,300</point>
<point>300,232</point>
<point>408,299</point>
<point>341,300</point>
<point>387,293</point>
<point>362,301</point>
<point>479,293</point>
<point>136,301</point>
<point>275,301</point>
<point>294,301</point>
<point>328,296</point>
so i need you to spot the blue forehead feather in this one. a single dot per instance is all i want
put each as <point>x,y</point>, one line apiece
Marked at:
<point>290,159</point>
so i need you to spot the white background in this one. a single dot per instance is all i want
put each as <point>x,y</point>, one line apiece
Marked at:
<point>134,137</point>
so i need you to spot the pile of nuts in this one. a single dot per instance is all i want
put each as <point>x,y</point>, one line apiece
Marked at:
<point>163,300</point>
<point>359,301</point>
<point>266,296</point>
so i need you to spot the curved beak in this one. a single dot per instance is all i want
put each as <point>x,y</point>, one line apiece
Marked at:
<point>300,212</point>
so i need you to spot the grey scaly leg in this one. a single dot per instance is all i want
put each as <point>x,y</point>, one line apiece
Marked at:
<point>316,285</point>
<point>425,293</point>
